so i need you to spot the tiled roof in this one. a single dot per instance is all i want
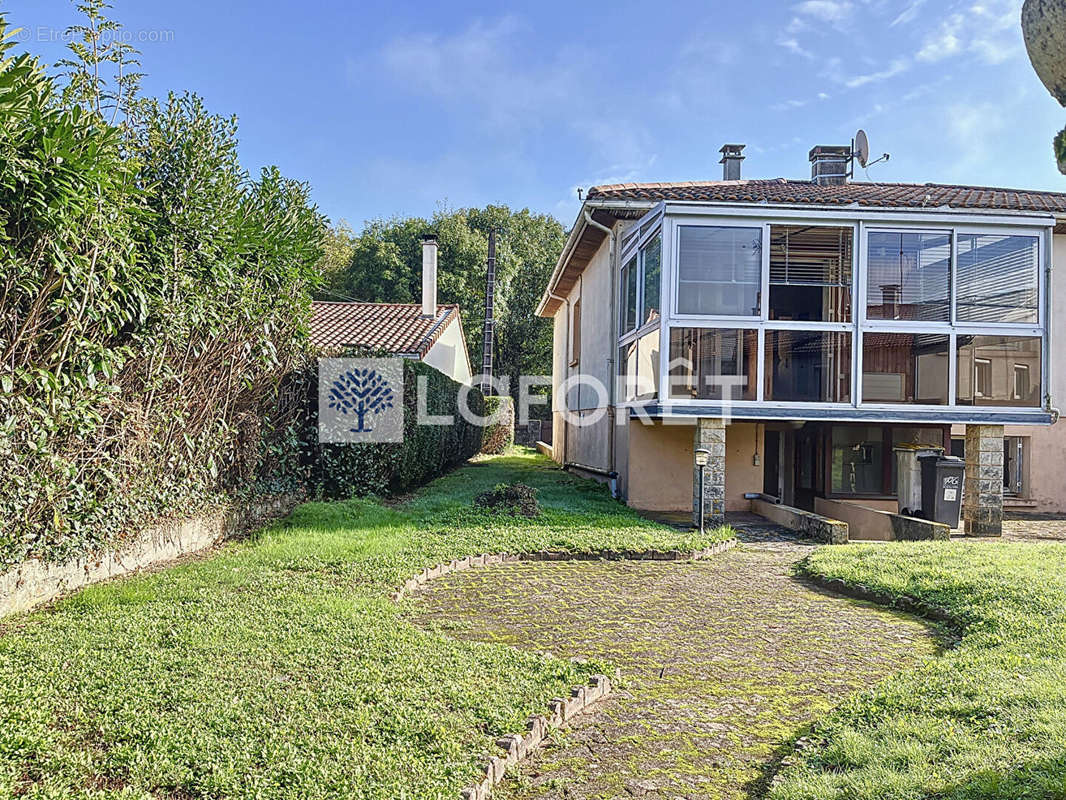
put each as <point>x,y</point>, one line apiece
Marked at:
<point>886,195</point>
<point>390,327</point>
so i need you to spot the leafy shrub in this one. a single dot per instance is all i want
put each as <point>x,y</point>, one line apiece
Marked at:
<point>515,499</point>
<point>499,432</point>
<point>339,471</point>
<point>153,301</point>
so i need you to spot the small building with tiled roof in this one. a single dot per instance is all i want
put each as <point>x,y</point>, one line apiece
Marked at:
<point>429,332</point>
<point>800,330</point>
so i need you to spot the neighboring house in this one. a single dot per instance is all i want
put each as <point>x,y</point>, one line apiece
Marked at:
<point>843,318</point>
<point>428,332</point>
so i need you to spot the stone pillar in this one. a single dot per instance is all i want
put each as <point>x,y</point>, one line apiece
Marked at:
<point>982,499</point>
<point>710,435</point>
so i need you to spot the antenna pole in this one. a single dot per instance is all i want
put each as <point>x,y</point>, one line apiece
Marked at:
<point>490,293</point>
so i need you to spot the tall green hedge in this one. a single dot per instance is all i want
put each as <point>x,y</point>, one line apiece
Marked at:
<point>153,298</point>
<point>345,470</point>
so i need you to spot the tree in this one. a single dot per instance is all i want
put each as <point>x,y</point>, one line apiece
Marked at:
<point>1044,28</point>
<point>386,266</point>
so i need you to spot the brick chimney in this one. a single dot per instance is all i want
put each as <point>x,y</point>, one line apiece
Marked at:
<point>732,155</point>
<point>829,164</point>
<point>429,275</point>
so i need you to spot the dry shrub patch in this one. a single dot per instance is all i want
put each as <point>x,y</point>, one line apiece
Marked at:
<point>515,499</point>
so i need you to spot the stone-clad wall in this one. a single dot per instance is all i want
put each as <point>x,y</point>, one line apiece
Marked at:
<point>982,496</point>
<point>710,435</point>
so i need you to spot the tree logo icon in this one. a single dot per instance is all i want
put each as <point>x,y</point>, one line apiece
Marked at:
<point>360,400</point>
<point>362,392</point>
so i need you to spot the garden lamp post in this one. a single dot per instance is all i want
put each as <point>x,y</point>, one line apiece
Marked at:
<point>703,457</point>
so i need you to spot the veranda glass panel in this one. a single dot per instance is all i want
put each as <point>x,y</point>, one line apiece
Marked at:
<point>858,460</point>
<point>810,273</point>
<point>628,306</point>
<point>653,261</point>
<point>999,279</point>
<point>720,271</point>
<point>905,368</point>
<point>808,366</point>
<point>713,363</point>
<point>909,276</point>
<point>999,371</point>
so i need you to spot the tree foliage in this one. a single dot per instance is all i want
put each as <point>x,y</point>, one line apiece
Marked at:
<point>154,296</point>
<point>386,266</point>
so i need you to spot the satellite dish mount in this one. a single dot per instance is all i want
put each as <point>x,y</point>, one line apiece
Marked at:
<point>860,152</point>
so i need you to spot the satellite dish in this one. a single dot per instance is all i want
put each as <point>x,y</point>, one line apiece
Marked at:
<point>861,149</point>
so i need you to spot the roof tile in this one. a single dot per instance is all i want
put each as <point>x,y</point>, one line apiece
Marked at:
<point>885,195</point>
<point>390,327</point>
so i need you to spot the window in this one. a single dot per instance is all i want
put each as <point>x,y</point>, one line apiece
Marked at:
<point>713,363</point>
<point>638,367</point>
<point>720,271</point>
<point>628,288</point>
<point>1021,381</point>
<point>999,279</point>
<point>652,258</point>
<point>575,335</point>
<point>909,276</point>
<point>858,460</point>
<point>982,377</point>
<point>808,366</point>
<point>999,371</point>
<point>905,368</point>
<point>810,273</point>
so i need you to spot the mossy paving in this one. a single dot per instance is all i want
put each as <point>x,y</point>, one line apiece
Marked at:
<point>723,663</point>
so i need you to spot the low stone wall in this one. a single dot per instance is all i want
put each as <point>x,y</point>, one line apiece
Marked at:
<point>819,528</point>
<point>873,525</point>
<point>35,582</point>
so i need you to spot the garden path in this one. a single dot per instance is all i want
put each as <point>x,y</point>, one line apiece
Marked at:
<point>723,662</point>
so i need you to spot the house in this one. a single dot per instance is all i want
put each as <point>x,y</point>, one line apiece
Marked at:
<point>428,332</point>
<point>800,329</point>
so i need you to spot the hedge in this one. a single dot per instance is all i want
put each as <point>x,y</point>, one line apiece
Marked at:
<point>499,433</point>
<point>153,298</point>
<point>339,471</point>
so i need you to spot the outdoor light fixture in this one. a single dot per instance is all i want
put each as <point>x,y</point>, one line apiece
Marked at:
<point>703,458</point>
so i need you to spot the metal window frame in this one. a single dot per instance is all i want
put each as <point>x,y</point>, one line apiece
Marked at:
<point>864,221</point>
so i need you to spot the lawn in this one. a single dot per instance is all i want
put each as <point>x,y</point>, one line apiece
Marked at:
<point>279,668</point>
<point>987,718</point>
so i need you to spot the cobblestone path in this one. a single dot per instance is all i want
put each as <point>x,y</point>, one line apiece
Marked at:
<point>723,663</point>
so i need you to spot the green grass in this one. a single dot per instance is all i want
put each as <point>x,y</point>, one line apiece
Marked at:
<point>985,719</point>
<point>279,668</point>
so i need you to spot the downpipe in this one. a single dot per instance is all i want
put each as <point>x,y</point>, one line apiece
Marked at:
<point>612,387</point>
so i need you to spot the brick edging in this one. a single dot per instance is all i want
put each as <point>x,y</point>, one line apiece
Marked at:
<point>517,746</point>
<point>423,577</point>
<point>902,602</point>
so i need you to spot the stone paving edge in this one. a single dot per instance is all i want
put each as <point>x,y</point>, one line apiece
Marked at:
<point>517,747</point>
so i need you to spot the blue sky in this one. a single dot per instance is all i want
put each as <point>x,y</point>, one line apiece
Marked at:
<point>394,108</point>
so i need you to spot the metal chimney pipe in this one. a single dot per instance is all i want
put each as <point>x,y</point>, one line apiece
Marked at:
<point>732,155</point>
<point>429,275</point>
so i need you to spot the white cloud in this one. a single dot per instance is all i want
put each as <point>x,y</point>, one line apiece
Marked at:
<point>897,67</point>
<point>794,47</point>
<point>987,29</point>
<point>908,14</point>
<point>833,11</point>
